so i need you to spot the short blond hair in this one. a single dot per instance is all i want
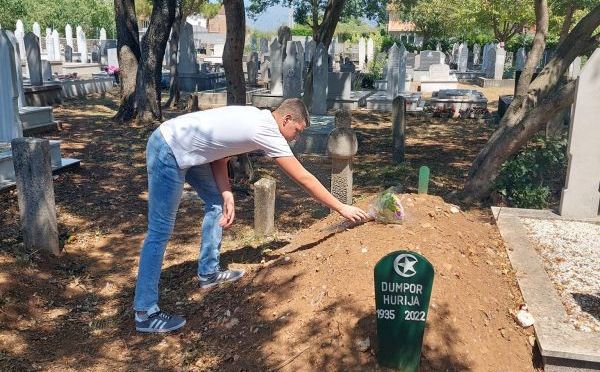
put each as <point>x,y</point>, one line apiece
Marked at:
<point>296,108</point>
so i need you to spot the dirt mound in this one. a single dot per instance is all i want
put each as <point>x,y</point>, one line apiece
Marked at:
<point>307,309</point>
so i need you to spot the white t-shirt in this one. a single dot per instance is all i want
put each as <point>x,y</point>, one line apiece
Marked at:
<point>204,136</point>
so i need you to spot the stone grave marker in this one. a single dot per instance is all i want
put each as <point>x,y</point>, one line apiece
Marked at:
<point>49,45</point>
<point>462,57</point>
<point>252,68</point>
<point>82,45</point>
<point>37,30</point>
<point>264,207</point>
<point>292,74</point>
<point>370,50</point>
<point>362,53</point>
<point>402,59</point>
<point>34,60</point>
<point>68,53</point>
<point>47,71</point>
<point>276,84</point>
<point>580,198</point>
<point>476,54</point>
<point>20,34</point>
<point>69,36</point>
<point>95,54</point>
<point>393,71</point>
<point>342,145</point>
<point>500,59</point>
<point>186,63</point>
<point>35,191</point>
<point>398,128</point>
<point>265,68</point>
<point>430,57</point>
<point>10,123</point>
<point>454,56</point>
<point>339,85</point>
<point>320,81</point>
<point>520,60</point>
<point>403,283</point>
<point>56,45</point>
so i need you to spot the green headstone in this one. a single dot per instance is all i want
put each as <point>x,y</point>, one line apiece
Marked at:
<point>403,281</point>
<point>423,179</point>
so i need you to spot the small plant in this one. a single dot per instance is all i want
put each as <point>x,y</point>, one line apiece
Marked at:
<point>533,175</point>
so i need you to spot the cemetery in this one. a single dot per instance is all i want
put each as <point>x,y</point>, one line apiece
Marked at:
<point>473,152</point>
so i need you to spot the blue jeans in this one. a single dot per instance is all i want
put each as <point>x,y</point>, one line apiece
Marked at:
<point>165,186</point>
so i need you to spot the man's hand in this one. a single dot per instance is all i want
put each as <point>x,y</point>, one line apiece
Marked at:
<point>353,214</point>
<point>228,210</point>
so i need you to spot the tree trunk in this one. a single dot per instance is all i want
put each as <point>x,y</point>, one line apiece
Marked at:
<point>546,96</point>
<point>154,42</point>
<point>567,23</point>
<point>128,51</point>
<point>324,35</point>
<point>174,92</point>
<point>537,49</point>
<point>235,18</point>
<point>233,51</point>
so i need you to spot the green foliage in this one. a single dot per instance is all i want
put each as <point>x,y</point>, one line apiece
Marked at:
<point>352,30</point>
<point>527,180</point>
<point>301,30</point>
<point>91,15</point>
<point>210,10</point>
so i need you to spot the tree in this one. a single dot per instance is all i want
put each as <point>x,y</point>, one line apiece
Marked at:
<point>129,55</point>
<point>144,103</point>
<point>535,102</point>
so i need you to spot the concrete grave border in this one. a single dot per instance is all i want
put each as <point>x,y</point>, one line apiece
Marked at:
<point>562,347</point>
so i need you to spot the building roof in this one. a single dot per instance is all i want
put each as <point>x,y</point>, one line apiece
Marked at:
<point>399,26</point>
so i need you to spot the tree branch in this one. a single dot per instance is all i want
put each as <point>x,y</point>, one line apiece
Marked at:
<point>539,44</point>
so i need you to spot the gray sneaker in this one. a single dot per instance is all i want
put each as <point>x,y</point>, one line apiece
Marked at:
<point>159,322</point>
<point>220,277</point>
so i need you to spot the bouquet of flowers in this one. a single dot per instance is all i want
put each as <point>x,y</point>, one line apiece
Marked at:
<point>387,207</point>
<point>111,70</point>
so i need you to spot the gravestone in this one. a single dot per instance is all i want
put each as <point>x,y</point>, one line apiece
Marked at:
<point>410,60</point>
<point>403,283</point>
<point>575,68</point>
<point>292,74</point>
<point>300,59</point>
<point>401,69</point>
<point>521,59</point>
<point>439,72</point>
<point>284,35</point>
<point>37,31</point>
<point>264,207</point>
<point>252,68</point>
<point>81,45</point>
<point>10,123</point>
<point>69,36</point>
<point>476,54</point>
<point>339,85</point>
<point>102,34</point>
<point>265,68</point>
<point>486,58</point>
<point>454,56</point>
<point>342,145</point>
<point>18,69</point>
<point>56,45</point>
<point>47,71</point>
<point>370,50</point>
<point>393,71</point>
<point>438,47</point>
<point>20,34</point>
<point>332,53</point>
<point>68,53</point>
<point>500,59</point>
<point>347,66</point>
<point>309,51</point>
<point>35,191</point>
<point>417,63</point>
<point>398,128</point>
<point>490,62</point>
<point>462,57</point>
<point>187,63</point>
<point>276,85</point>
<point>362,53</point>
<point>430,57</point>
<point>264,45</point>
<point>34,60</point>
<point>320,73</point>
<point>580,198</point>
<point>49,45</point>
<point>95,54</point>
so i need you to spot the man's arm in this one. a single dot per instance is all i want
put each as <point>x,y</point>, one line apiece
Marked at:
<point>304,178</point>
<point>219,170</point>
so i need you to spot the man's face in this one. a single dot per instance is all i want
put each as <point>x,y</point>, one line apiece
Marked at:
<point>291,129</point>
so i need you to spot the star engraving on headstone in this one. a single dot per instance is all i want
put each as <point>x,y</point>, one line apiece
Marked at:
<point>404,265</point>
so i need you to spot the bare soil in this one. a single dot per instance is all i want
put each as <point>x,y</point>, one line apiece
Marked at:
<point>308,295</point>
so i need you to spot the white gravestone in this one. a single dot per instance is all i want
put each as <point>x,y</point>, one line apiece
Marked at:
<point>49,45</point>
<point>462,57</point>
<point>580,197</point>
<point>20,34</point>
<point>402,69</point>
<point>393,71</point>
<point>81,45</point>
<point>370,50</point>
<point>112,57</point>
<point>476,54</point>
<point>362,53</point>
<point>499,62</point>
<point>37,31</point>
<point>69,35</point>
<point>10,123</point>
<point>56,45</point>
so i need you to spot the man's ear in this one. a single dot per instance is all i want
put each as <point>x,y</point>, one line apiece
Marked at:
<point>287,118</point>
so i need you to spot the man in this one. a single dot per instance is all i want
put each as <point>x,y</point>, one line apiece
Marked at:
<point>195,148</point>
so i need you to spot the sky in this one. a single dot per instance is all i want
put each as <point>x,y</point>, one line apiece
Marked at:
<point>271,19</point>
